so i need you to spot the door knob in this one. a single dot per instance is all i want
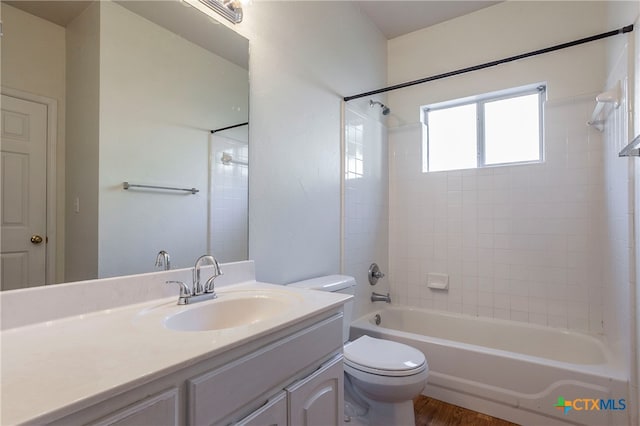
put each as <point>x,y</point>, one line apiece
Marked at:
<point>36,239</point>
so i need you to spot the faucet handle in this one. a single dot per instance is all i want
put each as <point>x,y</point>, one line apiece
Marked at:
<point>209,286</point>
<point>216,269</point>
<point>374,274</point>
<point>185,293</point>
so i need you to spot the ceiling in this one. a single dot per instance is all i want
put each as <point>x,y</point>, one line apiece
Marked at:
<point>58,12</point>
<point>396,18</point>
<point>393,18</point>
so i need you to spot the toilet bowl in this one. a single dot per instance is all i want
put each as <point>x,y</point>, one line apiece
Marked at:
<point>381,377</point>
<point>385,376</point>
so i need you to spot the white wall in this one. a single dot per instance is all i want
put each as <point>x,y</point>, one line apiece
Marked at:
<point>39,68</point>
<point>622,196</point>
<point>518,242</point>
<point>159,97</point>
<point>83,72</point>
<point>635,387</point>
<point>304,57</point>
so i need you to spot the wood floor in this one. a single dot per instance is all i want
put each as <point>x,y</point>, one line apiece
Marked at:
<point>431,412</point>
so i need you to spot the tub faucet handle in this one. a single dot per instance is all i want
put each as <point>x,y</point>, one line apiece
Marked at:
<point>375,274</point>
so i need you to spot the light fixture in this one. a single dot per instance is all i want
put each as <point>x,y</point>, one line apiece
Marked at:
<point>230,9</point>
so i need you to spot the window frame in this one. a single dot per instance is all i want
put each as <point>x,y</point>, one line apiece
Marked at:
<point>480,101</point>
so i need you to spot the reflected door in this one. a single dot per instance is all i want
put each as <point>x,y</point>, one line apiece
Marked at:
<point>23,193</point>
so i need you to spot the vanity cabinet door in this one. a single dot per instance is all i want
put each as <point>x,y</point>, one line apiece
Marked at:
<point>161,409</point>
<point>215,395</point>
<point>318,399</point>
<point>273,413</point>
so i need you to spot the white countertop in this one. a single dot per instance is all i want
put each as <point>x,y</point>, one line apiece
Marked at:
<point>56,367</point>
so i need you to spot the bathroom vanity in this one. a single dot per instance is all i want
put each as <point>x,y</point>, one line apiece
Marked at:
<point>258,354</point>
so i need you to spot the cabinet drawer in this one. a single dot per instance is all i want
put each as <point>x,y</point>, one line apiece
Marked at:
<point>222,391</point>
<point>273,413</point>
<point>161,409</point>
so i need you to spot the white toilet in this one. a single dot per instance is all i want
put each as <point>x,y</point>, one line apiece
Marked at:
<point>381,377</point>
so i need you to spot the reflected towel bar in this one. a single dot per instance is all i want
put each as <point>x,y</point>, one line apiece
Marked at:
<point>127,185</point>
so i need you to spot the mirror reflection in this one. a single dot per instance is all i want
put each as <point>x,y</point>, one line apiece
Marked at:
<point>95,94</point>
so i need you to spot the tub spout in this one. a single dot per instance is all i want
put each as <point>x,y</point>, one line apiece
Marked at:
<point>377,297</point>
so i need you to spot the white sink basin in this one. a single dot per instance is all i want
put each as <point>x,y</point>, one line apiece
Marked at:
<point>231,310</point>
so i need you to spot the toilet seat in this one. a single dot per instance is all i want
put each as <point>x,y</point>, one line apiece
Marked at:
<point>383,357</point>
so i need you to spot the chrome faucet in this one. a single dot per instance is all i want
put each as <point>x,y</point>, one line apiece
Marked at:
<point>197,287</point>
<point>199,292</point>
<point>163,261</point>
<point>377,297</point>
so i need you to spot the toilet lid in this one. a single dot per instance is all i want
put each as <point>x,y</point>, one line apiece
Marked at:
<point>383,357</point>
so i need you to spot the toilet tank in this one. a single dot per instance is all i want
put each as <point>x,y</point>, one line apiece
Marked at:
<point>343,284</point>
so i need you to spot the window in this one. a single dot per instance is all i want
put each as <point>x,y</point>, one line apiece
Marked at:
<point>354,150</point>
<point>486,130</point>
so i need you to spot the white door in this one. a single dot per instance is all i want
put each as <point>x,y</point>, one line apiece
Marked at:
<point>23,194</point>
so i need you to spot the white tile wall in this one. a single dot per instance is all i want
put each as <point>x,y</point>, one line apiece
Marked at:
<point>619,204</point>
<point>518,242</point>
<point>229,205</point>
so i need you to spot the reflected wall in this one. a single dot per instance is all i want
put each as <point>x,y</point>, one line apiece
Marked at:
<point>136,102</point>
<point>159,96</point>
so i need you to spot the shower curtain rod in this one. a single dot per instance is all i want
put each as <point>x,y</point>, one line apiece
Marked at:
<point>622,30</point>
<point>230,127</point>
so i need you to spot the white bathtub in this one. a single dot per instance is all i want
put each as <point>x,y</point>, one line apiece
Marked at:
<point>511,370</point>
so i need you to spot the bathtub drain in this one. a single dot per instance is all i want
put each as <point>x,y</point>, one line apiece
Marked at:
<point>378,319</point>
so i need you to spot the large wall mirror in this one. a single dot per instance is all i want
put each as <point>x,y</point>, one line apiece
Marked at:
<point>127,91</point>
